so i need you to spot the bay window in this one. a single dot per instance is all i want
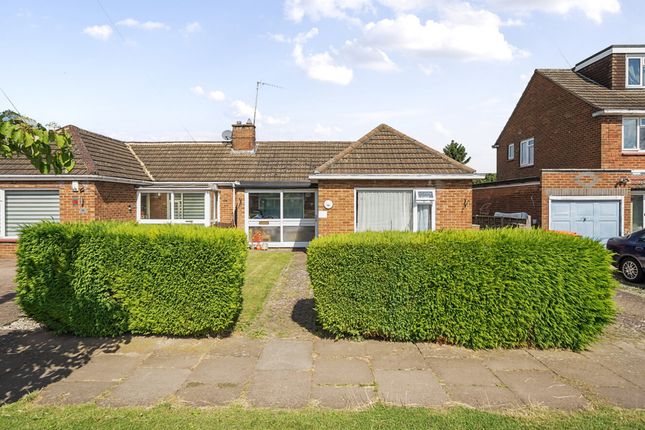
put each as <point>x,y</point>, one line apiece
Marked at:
<point>178,207</point>
<point>634,134</point>
<point>394,210</point>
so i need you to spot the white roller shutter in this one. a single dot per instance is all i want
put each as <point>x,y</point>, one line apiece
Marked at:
<point>24,207</point>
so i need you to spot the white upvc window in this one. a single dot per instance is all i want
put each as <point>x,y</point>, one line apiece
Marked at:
<point>635,72</point>
<point>634,134</point>
<point>394,209</point>
<point>21,207</point>
<point>174,207</point>
<point>527,152</point>
<point>510,152</point>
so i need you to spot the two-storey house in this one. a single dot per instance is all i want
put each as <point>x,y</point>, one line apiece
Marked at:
<point>572,154</point>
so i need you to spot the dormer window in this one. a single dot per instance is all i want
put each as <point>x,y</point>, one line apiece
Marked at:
<point>636,72</point>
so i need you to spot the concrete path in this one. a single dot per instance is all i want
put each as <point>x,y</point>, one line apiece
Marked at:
<point>9,311</point>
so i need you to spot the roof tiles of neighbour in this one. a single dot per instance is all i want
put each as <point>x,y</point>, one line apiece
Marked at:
<point>385,150</point>
<point>593,93</point>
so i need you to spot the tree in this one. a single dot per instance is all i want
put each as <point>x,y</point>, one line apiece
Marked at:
<point>457,152</point>
<point>489,177</point>
<point>47,149</point>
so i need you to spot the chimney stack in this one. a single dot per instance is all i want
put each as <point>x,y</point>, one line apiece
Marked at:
<point>244,136</point>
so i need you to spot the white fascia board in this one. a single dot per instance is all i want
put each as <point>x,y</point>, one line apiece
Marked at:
<point>609,51</point>
<point>99,178</point>
<point>618,112</point>
<point>401,176</point>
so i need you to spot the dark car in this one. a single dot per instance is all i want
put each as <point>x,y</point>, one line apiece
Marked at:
<point>629,254</point>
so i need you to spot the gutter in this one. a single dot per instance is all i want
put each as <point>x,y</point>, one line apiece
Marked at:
<point>606,112</point>
<point>100,178</point>
<point>400,176</point>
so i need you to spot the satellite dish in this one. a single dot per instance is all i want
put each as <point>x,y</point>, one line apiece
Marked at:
<point>227,135</point>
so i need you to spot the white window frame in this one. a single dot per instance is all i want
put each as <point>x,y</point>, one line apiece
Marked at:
<point>526,143</point>
<point>3,210</point>
<point>640,123</point>
<point>281,222</point>
<point>415,204</point>
<point>206,221</point>
<point>641,74</point>
<point>510,152</point>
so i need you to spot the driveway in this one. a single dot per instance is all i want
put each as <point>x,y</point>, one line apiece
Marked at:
<point>9,311</point>
<point>293,367</point>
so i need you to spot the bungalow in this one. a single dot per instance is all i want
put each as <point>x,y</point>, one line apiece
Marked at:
<point>284,193</point>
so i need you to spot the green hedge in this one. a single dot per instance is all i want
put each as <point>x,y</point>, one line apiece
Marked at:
<point>480,289</point>
<point>105,279</point>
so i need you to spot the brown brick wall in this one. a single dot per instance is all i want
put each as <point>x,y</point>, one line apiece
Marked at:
<point>517,198</point>
<point>585,183</point>
<point>600,71</point>
<point>613,156</point>
<point>566,135</point>
<point>116,201</point>
<point>453,204</point>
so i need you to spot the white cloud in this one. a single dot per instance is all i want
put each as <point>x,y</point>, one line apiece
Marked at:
<point>101,32</point>
<point>193,27</point>
<point>296,10</point>
<point>326,130</point>
<point>428,69</point>
<point>592,9</point>
<point>441,129</point>
<point>197,90</point>
<point>367,57</point>
<point>147,25</point>
<point>217,95</point>
<point>245,110</point>
<point>462,32</point>
<point>320,66</point>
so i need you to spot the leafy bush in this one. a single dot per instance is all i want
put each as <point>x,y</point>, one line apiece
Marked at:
<point>480,289</point>
<point>105,279</point>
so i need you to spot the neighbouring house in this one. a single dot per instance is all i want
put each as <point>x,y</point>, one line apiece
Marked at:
<point>572,154</point>
<point>284,193</point>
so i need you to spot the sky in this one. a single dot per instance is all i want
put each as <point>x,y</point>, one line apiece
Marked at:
<point>436,70</point>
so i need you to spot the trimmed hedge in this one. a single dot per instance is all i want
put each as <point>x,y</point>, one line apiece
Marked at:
<point>105,279</point>
<point>480,289</point>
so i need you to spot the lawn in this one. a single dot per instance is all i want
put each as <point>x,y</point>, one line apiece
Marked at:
<point>263,270</point>
<point>27,415</point>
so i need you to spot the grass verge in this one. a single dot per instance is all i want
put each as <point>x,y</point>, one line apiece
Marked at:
<point>27,415</point>
<point>263,270</point>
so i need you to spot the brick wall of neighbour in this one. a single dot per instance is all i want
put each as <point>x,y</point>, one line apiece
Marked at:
<point>566,135</point>
<point>453,202</point>
<point>600,71</point>
<point>585,183</point>
<point>508,198</point>
<point>613,156</point>
<point>116,201</point>
<point>231,209</point>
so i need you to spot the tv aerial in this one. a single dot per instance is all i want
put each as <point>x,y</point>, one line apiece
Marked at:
<point>259,84</point>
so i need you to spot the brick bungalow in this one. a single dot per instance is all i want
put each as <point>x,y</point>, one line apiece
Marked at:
<point>284,193</point>
<point>572,154</point>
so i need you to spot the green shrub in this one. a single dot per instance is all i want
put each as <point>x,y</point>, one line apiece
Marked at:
<point>480,289</point>
<point>105,279</point>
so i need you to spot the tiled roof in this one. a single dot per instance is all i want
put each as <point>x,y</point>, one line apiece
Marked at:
<point>593,93</point>
<point>272,161</point>
<point>385,150</point>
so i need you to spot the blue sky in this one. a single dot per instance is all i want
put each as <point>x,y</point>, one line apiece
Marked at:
<point>161,70</point>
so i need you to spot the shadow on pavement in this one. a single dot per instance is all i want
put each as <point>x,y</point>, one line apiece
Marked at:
<point>31,360</point>
<point>304,314</point>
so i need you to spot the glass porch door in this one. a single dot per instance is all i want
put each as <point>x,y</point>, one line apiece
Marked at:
<point>638,212</point>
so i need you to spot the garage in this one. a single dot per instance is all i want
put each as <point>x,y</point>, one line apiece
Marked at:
<point>598,219</point>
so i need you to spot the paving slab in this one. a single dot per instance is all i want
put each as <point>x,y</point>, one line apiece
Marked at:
<point>343,397</point>
<point>135,345</point>
<point>185,346</point>
<point>444,351</point>
<point>280,388</point>
<point>542,388</point>
<point>146,387</point>
<point>465,371</point>
<point>238,347</point>
<point>409,388</point>
<point>342,371</point>
<point>588,372</point>
<point>199,394</point>
<point>326,348</point>
<point>223,370</point>
<point>484,397</point>
<point>622,397</point>
<point>67,393</point>
<point>395,356</point>
<point>286,355</point>
<point>512,359</point>
<point>172,360</point>
<point>106,368</point>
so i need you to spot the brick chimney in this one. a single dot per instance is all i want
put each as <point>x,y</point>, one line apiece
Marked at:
<point>244,136</point>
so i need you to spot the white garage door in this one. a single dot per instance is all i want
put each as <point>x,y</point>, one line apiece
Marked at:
<point>597,219</point>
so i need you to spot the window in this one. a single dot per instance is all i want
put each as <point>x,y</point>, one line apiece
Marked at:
<point>634,134</point>
<point>635,72</point>
<point>25,207</point>
<point>174,207</point>
<point>281,217</point>
<point>510,152</point>
<point>527,152</point>
<point>392,209</point>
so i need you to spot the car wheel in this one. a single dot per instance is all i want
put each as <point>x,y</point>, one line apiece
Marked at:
<point>631,270</point>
